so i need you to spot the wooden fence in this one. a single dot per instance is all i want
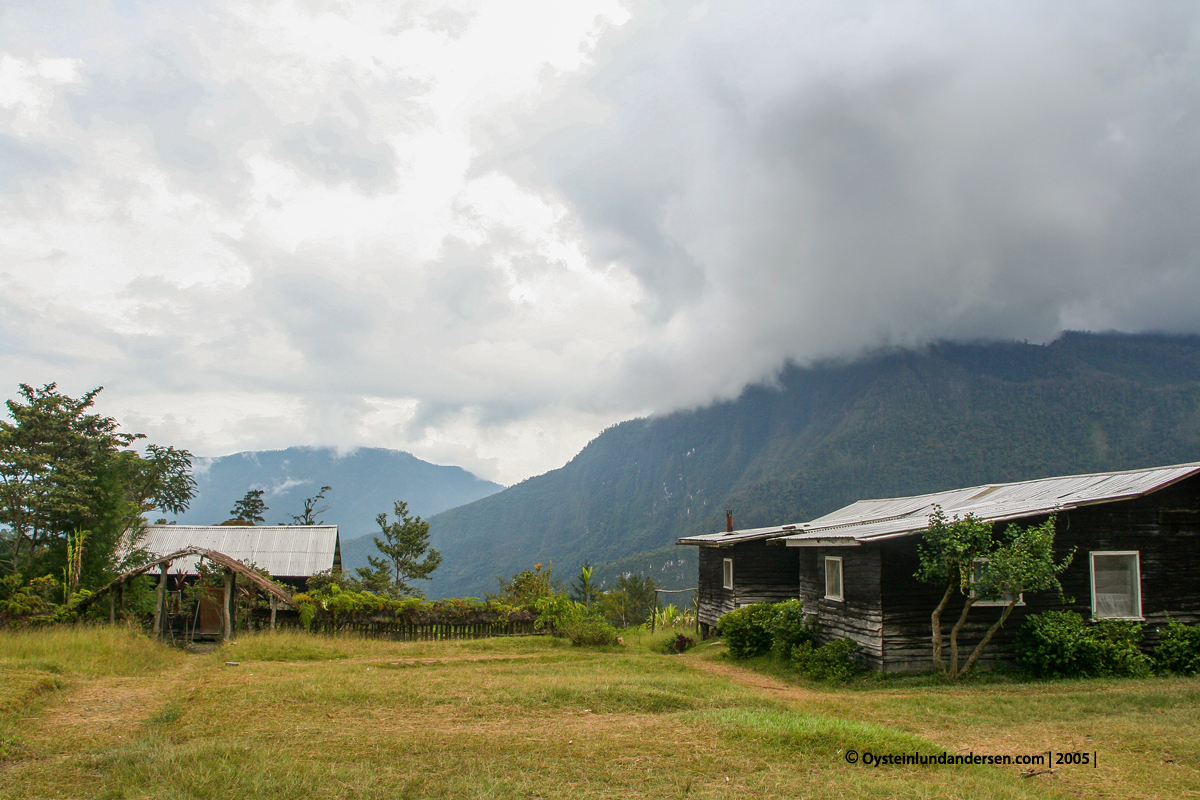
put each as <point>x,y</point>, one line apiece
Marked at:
<point>408,632</point>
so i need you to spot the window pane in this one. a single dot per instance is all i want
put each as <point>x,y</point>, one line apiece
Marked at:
<point>833,578</point>
<point>1115,579</point>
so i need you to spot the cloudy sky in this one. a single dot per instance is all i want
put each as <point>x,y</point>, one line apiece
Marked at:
<point>483,231</point>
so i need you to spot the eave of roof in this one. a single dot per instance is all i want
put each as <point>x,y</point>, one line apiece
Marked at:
<point>889,518</point>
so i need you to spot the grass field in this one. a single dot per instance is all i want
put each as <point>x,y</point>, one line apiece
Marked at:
<point>103,713</point>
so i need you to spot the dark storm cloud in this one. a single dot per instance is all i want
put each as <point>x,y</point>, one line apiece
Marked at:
<point>803,180</point>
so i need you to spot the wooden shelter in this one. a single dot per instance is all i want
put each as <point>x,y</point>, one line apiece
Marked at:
<point>1136,536</point>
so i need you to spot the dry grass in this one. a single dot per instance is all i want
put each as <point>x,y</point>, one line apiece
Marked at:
<point>508,718</point>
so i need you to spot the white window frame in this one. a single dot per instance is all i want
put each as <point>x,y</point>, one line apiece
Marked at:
<point>1137,565</point>
<point>1001,600</point>
<point>727,573</point>
<point>840,597</point>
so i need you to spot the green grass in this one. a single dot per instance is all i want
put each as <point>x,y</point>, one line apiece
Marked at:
<point>330,717</point>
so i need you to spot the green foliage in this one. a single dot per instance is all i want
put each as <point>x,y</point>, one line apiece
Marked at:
<point>746,631</point>
<point>335,600</point>
<point>590,630</point>
<point>835,662</point>
<point>69,489</point>
<point>250,509</point>
<point>404,543</point>
<point>630,602</point>
<point>583,590</point>
<point>1178,649</point>
<point>790,627</point>
<point>1060,644</point>
<point>961,555</point>
<point>528,586</point>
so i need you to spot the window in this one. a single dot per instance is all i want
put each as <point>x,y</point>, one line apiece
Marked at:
<point>1116,585</point>
<point>1002,599</point>
<point>833,578</point>
<point>727,573</point>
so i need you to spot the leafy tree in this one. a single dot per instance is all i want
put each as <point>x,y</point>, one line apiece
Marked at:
<point>312,509</point>
<point>250,508</point>
<point>962,554</point>
<point>583,590</point>
<point>404,543</point>
<point>70,489</point>
<point>631,601</point>
<point>527,587</point>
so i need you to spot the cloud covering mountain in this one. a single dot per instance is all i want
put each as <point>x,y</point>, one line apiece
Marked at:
<point>481,232</point>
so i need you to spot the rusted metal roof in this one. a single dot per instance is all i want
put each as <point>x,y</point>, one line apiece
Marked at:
<point>873,520</point>
<point>285,551</point>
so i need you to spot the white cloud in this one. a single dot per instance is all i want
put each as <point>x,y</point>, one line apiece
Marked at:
<point>482,232</point>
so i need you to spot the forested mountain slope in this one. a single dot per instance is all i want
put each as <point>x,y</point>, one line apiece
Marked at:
<point>365,482</point>
<point>896,423</point>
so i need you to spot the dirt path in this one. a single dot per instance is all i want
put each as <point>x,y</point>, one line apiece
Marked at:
<point>775,689</point>
<point>105,710</point>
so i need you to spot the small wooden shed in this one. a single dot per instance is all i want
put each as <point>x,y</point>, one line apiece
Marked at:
<point>290,553</point>
<point>1136,535</point>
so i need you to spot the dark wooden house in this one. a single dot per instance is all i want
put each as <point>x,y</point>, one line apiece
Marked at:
<point>1136,537</point>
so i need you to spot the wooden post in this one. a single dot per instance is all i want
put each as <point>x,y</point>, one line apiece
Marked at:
<point>654,614</point>
<point>229,606</point>
<point>112,607</point>
<point>160,607</point>
<point>274,605</point>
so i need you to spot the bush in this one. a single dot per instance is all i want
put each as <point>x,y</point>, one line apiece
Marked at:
<point>1060,644</point>
<point>1178,649</point>
<point>789,627</point>
<point>835,662</point>
<point>745,631</point>
<point>680,644</point>
<point>589,630</point>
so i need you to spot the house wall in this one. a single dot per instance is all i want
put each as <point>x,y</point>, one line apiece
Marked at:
<point>1164,527</point>
<point>762,573</point>
<point>860,615</point>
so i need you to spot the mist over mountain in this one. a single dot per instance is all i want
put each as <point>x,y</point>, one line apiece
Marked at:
<point>819,437</point>
<point>365,482</point>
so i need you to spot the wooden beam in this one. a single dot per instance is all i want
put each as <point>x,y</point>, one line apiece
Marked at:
<point>274,605</point>
<point>160,607</point>
<point>229,606</point>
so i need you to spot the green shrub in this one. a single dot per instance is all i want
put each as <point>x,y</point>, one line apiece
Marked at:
<point>1178,649</point>
<point>835,662</point>
<point>589,630</point>
<point>789,627</point>
<point>1061,644</point>
<point>745,631</point>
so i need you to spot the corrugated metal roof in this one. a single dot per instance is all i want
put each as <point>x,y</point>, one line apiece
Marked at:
<point>288,551</point>
<point>871,520</point>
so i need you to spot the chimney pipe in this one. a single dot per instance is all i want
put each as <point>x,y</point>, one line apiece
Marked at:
<point>729,520</point>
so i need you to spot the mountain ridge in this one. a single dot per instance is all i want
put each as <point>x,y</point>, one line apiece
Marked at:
<point>893,423</point>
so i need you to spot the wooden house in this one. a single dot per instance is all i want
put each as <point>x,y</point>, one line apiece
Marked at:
<point>1136,537</point>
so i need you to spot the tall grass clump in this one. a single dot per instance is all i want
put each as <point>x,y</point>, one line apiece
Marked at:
<point>85,650</point>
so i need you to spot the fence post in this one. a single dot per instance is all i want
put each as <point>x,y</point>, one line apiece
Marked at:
<point>160,607</point>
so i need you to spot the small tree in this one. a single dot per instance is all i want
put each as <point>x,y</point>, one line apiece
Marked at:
<point>583,590</point>
<point>250,508</point>
<point>404,543</point>
<point>631,601</point>
<point>312,509</point>
<point>963,555</point>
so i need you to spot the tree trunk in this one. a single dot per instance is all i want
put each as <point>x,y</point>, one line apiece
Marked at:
<point>962,618</point>
<point>936,619</point>
<point>987,637</point>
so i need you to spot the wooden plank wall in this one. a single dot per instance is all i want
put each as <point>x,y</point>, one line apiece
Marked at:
<point>1164,527</point>
<point>762,573</point>
<point>860,615</point>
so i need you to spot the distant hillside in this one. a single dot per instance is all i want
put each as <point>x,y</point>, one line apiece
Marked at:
<point>365,482</point>
<point>892,424</point>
